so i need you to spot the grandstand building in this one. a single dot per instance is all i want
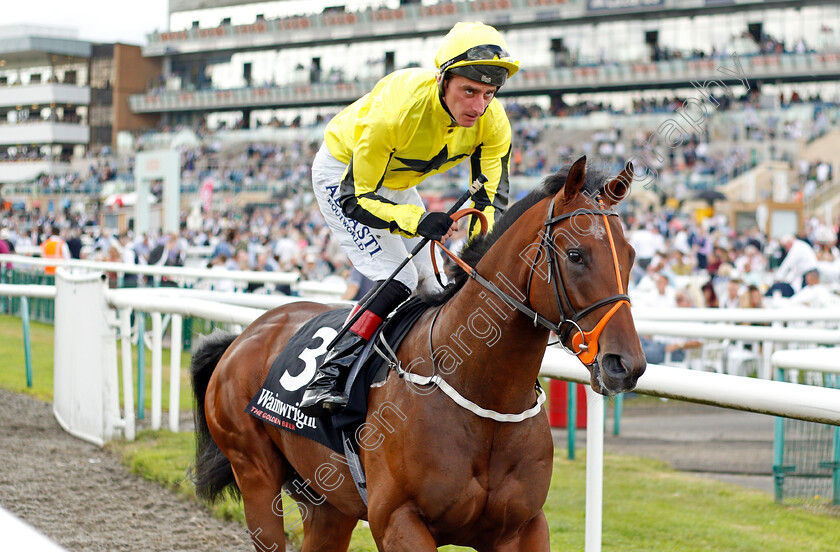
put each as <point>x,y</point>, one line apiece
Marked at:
<point>258,60</point>
<point>61,96</point>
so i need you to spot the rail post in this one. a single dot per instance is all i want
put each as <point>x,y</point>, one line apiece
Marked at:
<point>141,365</point>
<point>157,369</point>
<point>128,387</point>
<point>27,346</point>
<point>594,469</point>
<point>175,373</point>
<point>571,417</point>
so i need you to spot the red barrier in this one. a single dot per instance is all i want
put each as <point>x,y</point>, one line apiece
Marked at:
<point>558,404</point>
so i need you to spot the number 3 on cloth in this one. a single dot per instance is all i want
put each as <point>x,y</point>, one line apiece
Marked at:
<point>309,358</point>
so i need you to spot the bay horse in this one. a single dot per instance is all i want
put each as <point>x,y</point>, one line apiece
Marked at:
<point>474,472</point>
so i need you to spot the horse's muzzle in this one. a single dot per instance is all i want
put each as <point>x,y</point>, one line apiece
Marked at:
<point>612,374</point>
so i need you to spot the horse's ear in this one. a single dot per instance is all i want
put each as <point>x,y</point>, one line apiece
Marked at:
<point>574,180</point>
<point>617,188</point>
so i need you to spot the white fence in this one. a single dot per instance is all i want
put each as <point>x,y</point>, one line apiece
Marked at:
<point>85,390</point>
<point>826,359</point>
<point>739,393</point>
<point>153,270</point>
<point>321,290</point>
<point>780,314</point>
<point>756,395</point>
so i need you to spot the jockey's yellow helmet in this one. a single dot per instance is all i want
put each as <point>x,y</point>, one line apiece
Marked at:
<point>478,52</point>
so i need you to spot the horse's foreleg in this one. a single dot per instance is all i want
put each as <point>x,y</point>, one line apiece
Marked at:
<point>262,497</point>
<point>402,530</point>
<point>326,529</point>
<point>534,537</point>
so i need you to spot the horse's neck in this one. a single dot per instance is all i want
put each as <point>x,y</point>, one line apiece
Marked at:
<point>503,349</point>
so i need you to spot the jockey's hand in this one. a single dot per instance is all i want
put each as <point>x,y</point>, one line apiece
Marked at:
<point>436,226</point>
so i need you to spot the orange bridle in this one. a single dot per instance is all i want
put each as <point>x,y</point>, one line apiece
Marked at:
<point>584,344</point>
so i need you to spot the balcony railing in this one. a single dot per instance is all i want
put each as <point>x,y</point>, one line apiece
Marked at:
<point>416,20</point>
<point>44,95</point>
<point>678,73</point>
<point>44,132</point>
<point>26,170</point>
<point>411,20</point>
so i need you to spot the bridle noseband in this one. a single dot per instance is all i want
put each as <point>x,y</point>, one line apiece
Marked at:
<point>584,344</point>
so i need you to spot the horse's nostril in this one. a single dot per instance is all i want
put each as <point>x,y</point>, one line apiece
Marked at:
<point>613,367</point>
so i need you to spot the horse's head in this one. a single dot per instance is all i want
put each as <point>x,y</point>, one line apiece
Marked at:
<point>585,261</point>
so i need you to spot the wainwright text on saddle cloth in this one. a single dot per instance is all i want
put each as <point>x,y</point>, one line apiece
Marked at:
<point>277,402</point>
<point>278,399</point>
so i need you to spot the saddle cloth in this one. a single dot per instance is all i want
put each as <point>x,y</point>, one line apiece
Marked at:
<point>278,399</point>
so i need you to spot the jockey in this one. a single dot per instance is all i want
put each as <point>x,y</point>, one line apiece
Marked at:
<point>414,123</point>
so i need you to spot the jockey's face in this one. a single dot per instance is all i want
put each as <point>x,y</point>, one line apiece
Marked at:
<point>466,99</point>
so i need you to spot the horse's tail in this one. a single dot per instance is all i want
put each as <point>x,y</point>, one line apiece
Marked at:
<point>212,473</point>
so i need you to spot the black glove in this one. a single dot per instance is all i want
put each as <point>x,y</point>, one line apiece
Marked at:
<point>434,225</point>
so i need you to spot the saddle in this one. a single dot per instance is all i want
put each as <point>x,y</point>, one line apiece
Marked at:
<point>278,399</point>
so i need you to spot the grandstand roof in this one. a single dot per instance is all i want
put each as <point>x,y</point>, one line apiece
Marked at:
<point>415,20</point>
<point>27,46</point>
<point>189,5</point>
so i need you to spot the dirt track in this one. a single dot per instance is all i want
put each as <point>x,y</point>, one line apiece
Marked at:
<point>81,497</point>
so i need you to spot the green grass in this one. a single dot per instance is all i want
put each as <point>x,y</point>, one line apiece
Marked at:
<point>651,507</point>
<point>647,506</point>
<point>13,367</point>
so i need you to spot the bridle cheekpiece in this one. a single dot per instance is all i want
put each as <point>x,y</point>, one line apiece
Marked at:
<point>584,344</point>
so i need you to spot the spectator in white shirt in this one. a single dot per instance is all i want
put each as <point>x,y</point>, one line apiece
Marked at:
<point>751,265</point>
<point>647,242</point>
<point>664,296</point>
<point>219,263</point>
<point>732,297</point>
<point>822,173</point>
<point>128,256</point>
<point>800,258</point>
<point>814,293</point>
<point>657,348</point>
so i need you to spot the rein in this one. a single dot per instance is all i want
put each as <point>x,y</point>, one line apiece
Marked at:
<point>438,381</point>
<point>584,344</point>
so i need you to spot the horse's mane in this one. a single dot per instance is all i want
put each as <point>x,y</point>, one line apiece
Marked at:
<point>478,246</point>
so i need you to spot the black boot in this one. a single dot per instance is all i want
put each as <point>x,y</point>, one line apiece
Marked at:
<point>325,396</point>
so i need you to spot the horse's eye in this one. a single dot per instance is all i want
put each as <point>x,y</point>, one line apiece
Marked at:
<point>574,256</point>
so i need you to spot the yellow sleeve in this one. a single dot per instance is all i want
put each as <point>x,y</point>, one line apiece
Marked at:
<point>492,158</point>
<point>375,144</point>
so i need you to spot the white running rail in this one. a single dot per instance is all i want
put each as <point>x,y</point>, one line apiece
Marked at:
<point>803,402</point>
